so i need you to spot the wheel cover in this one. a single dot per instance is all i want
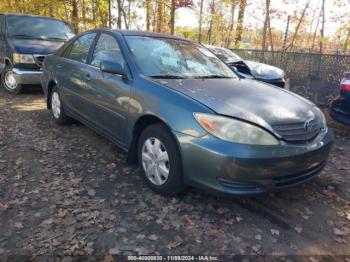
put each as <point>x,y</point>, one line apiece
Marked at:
<point>155,161</point>
<point>10,80</point>
<point>56,105</point>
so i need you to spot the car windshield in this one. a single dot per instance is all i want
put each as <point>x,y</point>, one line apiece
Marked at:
<point>173,58</point>
<point>38,28</point>
<point>226,55</point>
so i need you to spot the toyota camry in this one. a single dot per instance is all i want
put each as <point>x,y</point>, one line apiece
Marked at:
<point>183,115</point>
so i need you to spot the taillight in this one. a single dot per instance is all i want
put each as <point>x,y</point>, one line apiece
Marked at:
<point>345,83</point>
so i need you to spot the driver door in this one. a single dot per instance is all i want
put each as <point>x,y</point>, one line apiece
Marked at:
<point>109,93</point>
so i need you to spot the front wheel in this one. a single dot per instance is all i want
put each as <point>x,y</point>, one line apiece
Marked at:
<point>160,161</point>
<point>9,81</point>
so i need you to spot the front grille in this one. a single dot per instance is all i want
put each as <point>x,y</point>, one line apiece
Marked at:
<point>39,59</point>
<point>294,179</point>
<point>240,186</point>
<point>301,132</point>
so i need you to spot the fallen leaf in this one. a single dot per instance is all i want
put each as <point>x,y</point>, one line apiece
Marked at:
<point>347,214</point>
<point>3,206</point>
<point>275,232</point>
<point>61,213</point>
<point>172,245</point>
<point>258,237</point>
<point>298,229</point>
<point>114,251</point>
<point>153,237</point>
<point>189,221</point>
<point>256,248</point>
<point>338,232</point>
<point>92,192</point>
<point>18,225</point>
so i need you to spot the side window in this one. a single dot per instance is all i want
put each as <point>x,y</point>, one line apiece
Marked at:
<point>107,49</point>
<point>2,22</point>
<point>79,49</point>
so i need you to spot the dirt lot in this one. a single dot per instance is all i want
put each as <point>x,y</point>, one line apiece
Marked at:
<point>68,191</point>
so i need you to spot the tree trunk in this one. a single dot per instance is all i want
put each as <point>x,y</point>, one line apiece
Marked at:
<point>267,13</point>
<point>119,19</point>
<point>269,27</point>
<point>239,30</point>
<point>346,42</point>
<point>159,16</point>
<point>322,28</point>
<point>298,26</point>
<point>74,15</point>
<point>200,22</point>
<point>110,13</point>
<point>172,17</point>
<point>233,7</point>
<point>83,13</point>
<point>148,14</point>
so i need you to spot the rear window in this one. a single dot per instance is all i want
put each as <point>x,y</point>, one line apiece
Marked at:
<point>28,27</point>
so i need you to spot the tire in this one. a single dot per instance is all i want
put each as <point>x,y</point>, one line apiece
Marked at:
<point>57,108</point>
<point>158,137</point>
<point>9,82</point>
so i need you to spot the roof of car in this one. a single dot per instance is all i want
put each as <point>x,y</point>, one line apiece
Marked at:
<point>151,34</point>
<point>38,16</point>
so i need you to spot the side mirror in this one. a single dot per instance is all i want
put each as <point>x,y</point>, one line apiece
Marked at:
<point>113,68</point>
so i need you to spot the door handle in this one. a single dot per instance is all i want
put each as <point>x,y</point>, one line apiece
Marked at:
<point>58,66</point>
<point>87,77</point>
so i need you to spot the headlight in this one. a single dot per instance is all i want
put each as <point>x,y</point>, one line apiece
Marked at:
<point>233,130</point>
<point>323,118</point>
<point>23,59</point>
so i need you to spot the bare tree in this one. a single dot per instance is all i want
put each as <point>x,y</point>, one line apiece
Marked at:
<point>239,30</point>
<point>323,24</point>
<point>200,22</point>
<point>291,44</point>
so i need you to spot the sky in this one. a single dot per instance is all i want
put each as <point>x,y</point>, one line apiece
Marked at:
<point>254,15</point>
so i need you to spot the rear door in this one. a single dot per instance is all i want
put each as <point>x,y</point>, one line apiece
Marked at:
<point>109,93</point>
<point>69,71</point>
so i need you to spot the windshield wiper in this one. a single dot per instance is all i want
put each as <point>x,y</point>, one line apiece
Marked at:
<point>167,77</point>
<point>23,36</point>
<point>212,76</point>
<point>54,38</point>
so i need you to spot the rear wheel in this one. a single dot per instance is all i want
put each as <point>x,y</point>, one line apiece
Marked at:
<point>9,81</point>
<point>160,161</point>
<point>57,108</point>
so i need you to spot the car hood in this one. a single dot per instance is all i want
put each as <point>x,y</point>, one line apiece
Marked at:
<point>264,71</point>
<point>33,46</point>
<point>244,99</point>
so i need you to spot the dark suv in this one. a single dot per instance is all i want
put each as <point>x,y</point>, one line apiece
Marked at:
<point>25,40</point>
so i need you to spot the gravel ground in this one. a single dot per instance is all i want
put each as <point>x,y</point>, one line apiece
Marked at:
<point>67,191</point>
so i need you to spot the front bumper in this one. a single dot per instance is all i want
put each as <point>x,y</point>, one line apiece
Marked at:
<point>340,110</point>
<point>27,76</point>
<point>227,168</point>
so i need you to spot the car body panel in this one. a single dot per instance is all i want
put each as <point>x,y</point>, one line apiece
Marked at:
<point>113,105</point>
<point>30,46</point>
<point>245,99</point>
<point>250,69</point>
